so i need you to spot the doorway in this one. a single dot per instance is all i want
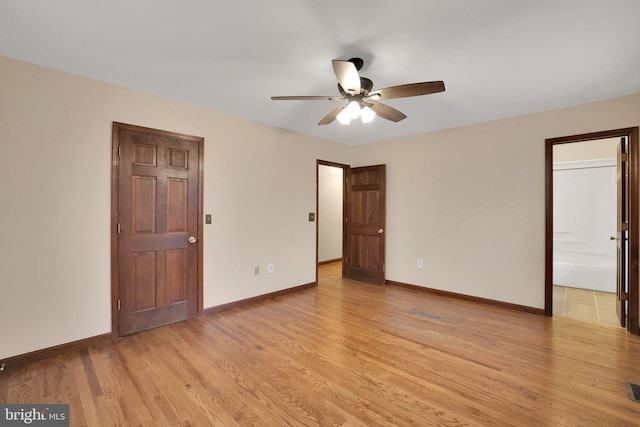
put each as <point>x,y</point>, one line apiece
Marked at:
<point>363,221</point>
<point>156,240</point>
<point>330,203</point>
<point>584,215</point>
<point>331,181</point>
<point>627,236</point>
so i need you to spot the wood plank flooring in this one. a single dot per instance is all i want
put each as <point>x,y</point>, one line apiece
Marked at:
<point>347,354</point>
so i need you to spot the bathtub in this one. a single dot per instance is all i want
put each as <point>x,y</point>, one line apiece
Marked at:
<point>584,271</point>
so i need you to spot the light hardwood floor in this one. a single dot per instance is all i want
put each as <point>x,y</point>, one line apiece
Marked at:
<point>347,354</point>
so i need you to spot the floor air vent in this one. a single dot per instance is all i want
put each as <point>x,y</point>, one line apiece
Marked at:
<point>634,391</point>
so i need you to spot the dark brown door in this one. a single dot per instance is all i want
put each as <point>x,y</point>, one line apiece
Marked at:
<point>365,224</point>
<point>158,197</point>
<point>621,235</point>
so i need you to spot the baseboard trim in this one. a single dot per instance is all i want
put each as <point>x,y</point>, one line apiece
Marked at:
<point>501,304</point>
<point>329,261</point>
<point>45,353</point>
<point>231,305</point>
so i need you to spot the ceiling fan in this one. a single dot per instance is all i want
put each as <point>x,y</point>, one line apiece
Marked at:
<point>362,101</point>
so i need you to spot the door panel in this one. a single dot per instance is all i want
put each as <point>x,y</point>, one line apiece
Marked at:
<point>365,224</point>
<point>158,211</point>
<point>144,193</point>
<point>177,203</point>
<point>621,234</point>
<point>143,277</point>
<point>177,273</point>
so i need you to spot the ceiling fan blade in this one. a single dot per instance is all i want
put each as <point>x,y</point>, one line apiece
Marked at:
<point>411,89</point>
<point>307,98</point>
<point>333,114</point>
<point>386,112</point>
<point>347,75</point>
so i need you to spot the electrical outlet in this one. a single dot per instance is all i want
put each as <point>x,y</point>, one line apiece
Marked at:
<point>419,263</point>
<point>270,268</point>
<point>256,270</point>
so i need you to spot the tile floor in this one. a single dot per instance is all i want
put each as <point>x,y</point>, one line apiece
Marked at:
<point>585,305</point>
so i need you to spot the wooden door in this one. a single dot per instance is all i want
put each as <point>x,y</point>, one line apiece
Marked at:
<point>622,224</point>
<point>158,227</point>
<point>365,224</point>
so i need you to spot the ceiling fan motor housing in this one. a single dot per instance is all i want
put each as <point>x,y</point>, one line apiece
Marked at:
<point>365,87</point>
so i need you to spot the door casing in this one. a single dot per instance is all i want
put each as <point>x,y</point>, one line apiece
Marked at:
<point>633,324</point>
<point>115,197</point>
<point>622,212</point>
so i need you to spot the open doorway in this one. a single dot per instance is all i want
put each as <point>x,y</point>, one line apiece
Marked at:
<point>584,229</point>
<point>330,213</point>
<point>627,233</point>
<point>330,204</point>
<point>363,203</point>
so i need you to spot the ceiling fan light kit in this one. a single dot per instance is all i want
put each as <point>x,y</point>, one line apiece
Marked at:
<point>354,110</point>
<point>360,97</point>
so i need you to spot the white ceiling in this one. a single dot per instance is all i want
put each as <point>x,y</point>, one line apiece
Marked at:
<point>498,58</point>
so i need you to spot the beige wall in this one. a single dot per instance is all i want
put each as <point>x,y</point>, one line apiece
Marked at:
<point>468,201</point>
<point>55,164</point>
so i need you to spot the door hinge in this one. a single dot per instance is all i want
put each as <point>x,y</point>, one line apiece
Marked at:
<point>624,226</point>
<point>118,228</point>
<point>624,157</point>
<point>118,305</point>
<point>118,151</point>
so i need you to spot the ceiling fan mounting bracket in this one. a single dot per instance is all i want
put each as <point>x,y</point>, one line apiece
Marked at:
<point>358,62</point>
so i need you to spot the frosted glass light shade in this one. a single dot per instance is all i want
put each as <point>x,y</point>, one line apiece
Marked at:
<point>344,117</point>
<point>367,114</point>
<point>353,109</point>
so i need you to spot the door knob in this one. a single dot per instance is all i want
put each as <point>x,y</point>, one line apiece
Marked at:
<point>192,240</point>
<point>613,238</point>
<point>380,230</point>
